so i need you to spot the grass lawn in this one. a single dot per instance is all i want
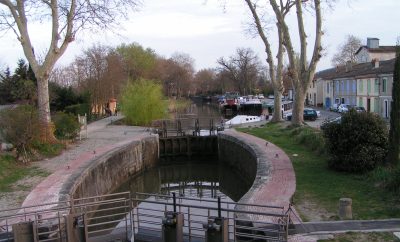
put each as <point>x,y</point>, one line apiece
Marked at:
<point>316,183</point>
<point>351,236</point>
<point>11,172</point>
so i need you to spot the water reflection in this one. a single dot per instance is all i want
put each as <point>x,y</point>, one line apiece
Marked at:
<point>194,179</point>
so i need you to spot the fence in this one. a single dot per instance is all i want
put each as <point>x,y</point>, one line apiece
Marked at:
<point>123,217</point>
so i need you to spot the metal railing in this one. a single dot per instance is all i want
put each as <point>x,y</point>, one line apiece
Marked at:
<point>187,126</point>
<point>122,217</point>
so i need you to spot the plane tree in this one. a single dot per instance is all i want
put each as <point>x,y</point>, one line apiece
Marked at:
<point>67,19</point>
<point>275,67</point>
<point>301,69</point>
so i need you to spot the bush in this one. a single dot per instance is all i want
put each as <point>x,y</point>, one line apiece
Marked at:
<point>357,144</point>
<point>310,137</point>
<point>81,109</point>
<point>143,102</point>
<point>66,125</point>
<point>20,127</point>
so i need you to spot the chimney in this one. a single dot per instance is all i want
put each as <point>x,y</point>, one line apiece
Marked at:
<point>349,66</point>
<point>372,43</point>
<point>375,63</point>
<point>337,69</point>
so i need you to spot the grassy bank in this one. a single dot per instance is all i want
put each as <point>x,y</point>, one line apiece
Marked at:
<point>318,187</point>
<point>12,171</point>
<point>351,236</point>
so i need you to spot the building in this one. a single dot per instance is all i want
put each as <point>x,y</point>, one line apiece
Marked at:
<point>368,85</point>
<point>373,51</point>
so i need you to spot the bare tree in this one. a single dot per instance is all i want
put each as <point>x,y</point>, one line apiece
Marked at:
<point>243,69</point>
<point>205,81</point>
<point>67,19</point>
<point>347,51</point>
<point>301,71</point>
<point>275,72</point>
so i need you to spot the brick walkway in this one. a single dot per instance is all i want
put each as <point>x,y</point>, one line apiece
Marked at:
<point>101,139</point>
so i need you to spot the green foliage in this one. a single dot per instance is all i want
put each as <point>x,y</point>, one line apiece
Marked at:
<point>21,86</point>
<point>394,134</point>
<point>47,149</point>
<point>11,172</point>
<point>139,61</point>
<point>81,109</point>
<point>66,125</point>
<point>310,137</point>
<point>322,187</point>
<point>358,144</point>
<point>142,101</point>
<point>20,127</point>
<point>387,177</point>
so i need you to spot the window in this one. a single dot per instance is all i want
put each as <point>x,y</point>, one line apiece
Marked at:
<point>376,105</point>
<point>361,86</point>
<point>327,88</point>
<point>342,86</point>
<point>360,102</point>
<point>369,86</point>
<point>376,88</point>
<point>354,86</point>
<point>337,87</point>
<point>384,83</point>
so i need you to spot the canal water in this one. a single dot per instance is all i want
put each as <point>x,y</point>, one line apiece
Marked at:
<point>200,179</point>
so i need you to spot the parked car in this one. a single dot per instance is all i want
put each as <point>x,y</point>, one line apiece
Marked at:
<point>334,107</point>
<point>359,109</point>
<point>308,114</point>
<point>337,120</point>
<point>343,108</point>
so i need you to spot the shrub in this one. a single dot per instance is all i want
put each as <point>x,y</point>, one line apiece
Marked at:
<point>142,102</point>
<point>312,138</point>
<point>20,127</point>
<point>357,144</point>
<point>66,125</point>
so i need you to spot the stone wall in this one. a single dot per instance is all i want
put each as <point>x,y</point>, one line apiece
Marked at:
<point>107,172</point>
<point>247,157</point>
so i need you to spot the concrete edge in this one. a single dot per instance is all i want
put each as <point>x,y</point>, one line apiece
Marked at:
<point>275,181</point>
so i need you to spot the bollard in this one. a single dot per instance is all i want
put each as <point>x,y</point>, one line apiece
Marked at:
<point>172,227</point>
<point>345,211</point>
<point>76,227</point>
<point>23,232</point>
<point>217,227</point>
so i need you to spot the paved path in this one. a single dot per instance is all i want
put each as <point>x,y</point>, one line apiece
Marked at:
<point>101,139</point>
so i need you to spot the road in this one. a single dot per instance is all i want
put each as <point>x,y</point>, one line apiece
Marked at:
<point>325,115</point>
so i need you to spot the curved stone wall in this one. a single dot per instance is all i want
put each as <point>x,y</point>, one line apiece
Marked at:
<point>105,173</point>
<point>270,169</point>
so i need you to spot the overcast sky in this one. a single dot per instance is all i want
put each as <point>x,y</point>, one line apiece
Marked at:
<point>206,31</point>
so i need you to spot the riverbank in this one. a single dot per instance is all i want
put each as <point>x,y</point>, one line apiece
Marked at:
<point>319,188</point>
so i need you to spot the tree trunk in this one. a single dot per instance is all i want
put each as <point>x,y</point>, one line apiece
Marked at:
<point>277,116</point>
<point>298,106</point>
<point>47,127</point>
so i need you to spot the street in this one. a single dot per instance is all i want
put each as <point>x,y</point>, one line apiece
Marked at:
<point>325,115</point>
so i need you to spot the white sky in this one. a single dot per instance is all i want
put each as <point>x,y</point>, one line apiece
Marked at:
<point>206,32</point>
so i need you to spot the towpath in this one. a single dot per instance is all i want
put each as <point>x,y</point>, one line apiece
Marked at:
<point>101,137</point>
